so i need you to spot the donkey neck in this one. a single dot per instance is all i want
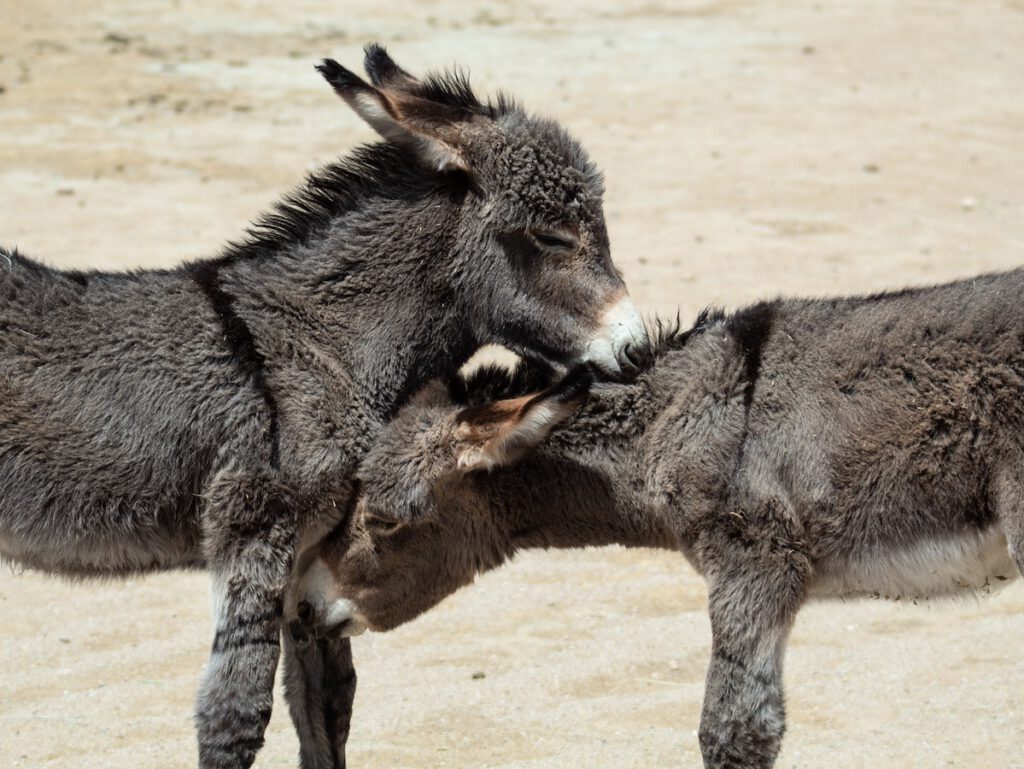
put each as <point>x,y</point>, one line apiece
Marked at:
<point>583,488</point>
<point>610,474</point>
<point>366,300</point>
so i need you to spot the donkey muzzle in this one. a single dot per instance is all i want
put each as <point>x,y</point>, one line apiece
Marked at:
<point>617,348</point>
<point>321,611</point>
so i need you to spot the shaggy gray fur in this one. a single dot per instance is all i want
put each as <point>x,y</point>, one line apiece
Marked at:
<point>213,415</point>
<point>833,448</point>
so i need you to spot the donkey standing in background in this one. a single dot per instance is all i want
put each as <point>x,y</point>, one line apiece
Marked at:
<point>213,415</point>
<point>796,449</point>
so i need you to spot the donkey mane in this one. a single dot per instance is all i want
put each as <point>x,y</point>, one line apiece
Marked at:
<point>295,218</point>
<point>326,194</point>
<point>664,335</point>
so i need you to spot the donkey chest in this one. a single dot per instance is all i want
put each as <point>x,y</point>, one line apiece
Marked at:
<point>975,561</point>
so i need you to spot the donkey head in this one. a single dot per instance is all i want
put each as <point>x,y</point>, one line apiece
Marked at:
<point>530,260</point>
<point>422,526</point>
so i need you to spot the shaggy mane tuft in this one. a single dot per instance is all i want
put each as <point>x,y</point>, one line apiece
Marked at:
<point>668,334</point>
<point>452,89</point>
<point>325,194</point>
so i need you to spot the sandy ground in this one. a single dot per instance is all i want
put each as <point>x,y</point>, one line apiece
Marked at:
<point>751,149</point>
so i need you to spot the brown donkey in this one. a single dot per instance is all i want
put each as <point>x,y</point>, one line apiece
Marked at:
<point>796,449</point>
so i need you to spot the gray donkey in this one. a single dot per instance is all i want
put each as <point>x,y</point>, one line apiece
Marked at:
<point>214,415</point>
<point>868,446</point>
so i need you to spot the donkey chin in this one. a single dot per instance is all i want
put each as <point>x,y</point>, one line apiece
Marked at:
<point>618,348</point>
<point>320,610</point>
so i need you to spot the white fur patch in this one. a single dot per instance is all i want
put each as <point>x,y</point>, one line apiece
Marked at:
<point>621,325</point>
<point>972,562</point>
<point>218,591</point>
<point>489,355</point>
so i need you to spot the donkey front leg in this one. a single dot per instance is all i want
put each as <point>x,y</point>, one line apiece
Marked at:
<point>249,528</point>
<point>753,599</point>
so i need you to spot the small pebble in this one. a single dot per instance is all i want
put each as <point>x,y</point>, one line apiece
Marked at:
<point>968,204</point>
<point>478,675</point>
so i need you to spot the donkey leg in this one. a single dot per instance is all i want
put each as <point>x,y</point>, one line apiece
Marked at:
<point>249,529</point>
<point>1010,509</point>
<point>340,691</point>
<point>303,690</point>
<point>320,685</point>
<point>753,600</point>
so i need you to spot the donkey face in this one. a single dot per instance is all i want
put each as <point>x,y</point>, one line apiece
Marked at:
<point>530,258</point>
<point>422,525</point>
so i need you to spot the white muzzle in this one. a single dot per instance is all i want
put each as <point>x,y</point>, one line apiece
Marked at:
<point>621,327</point>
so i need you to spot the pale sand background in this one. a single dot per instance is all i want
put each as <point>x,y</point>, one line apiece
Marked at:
<point>751,149</point>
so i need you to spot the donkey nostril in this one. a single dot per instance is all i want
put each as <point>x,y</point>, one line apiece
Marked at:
<point>305,610</point>
<point>629,356</point>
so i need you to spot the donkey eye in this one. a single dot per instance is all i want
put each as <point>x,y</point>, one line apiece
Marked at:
<point>381,524</point>
<point>552,240</point>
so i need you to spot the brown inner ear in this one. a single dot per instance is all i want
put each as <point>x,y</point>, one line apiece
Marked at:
<point>479,424</point>
<point>480,430</point>
<point>438,125</point>
<point>420,114</point>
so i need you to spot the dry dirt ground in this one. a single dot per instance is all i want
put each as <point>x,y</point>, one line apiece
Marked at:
<point>751,149</point>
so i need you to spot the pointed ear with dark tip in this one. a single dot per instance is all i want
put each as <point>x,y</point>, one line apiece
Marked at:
<point>383,71</point>
<point>502,432</point>
<point>369,103</point>
<point>433,130</point>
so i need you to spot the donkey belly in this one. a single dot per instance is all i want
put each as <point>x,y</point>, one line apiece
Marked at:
<point>974,561</point>
<point>76,553</point>
<point>77,502</point>
<point>75,529</point>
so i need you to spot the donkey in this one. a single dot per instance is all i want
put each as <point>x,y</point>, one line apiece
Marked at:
<point>214,415</point>
<point>869,446</point>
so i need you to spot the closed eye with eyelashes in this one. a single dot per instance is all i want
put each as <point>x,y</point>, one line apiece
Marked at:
<point>553,240</point>
<point>380,524</point>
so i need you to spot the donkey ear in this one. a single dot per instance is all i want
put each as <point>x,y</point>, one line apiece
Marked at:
<point>384,72</point>
<point>432,130</point>
<point>502,432</point>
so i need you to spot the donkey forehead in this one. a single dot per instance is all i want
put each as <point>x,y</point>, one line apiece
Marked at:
<point>411,438</point>
<point>541,160</point>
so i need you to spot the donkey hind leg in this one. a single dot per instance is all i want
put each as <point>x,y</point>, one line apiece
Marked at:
<point>320,685</point>
<point>250,539</point>
<point>754,597</point>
